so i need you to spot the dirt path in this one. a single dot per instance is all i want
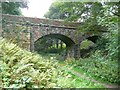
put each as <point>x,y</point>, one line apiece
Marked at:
<point>88,78</point>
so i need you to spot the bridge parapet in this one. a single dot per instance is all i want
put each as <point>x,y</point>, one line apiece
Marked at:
<point>50,22</point>
<point>29,30</point>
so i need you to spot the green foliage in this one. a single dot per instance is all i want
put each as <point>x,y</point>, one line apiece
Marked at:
<point>20,68</point>
<point>84,83</point>
<point>54,11</point>
<point>98,68</point>
<point>73,11</point>
<point>103,63</point>
<point>42,44</point>
<point>85,44</point>
<point>110,40</point>
<point>49,45</point>
<point>13,7</point>
<point>16,34</point>
<point>60,10</point>
<point>83,12</point>
<point>79,81</point>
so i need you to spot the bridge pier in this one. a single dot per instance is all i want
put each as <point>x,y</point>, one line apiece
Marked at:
<point>69,52</point>
<point>73,52</point>
<point>77,51</point>
<point>31,40</point>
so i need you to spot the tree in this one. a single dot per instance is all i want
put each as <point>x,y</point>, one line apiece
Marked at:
<point>73,11</point>
<point>13,7</point>
<point>76,11</point>
<point>93,14</point>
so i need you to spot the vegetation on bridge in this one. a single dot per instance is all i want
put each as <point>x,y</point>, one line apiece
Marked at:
<point>19,68</point>
<point>22,69</point>
<point>105,55</point>
<point>92,14</point>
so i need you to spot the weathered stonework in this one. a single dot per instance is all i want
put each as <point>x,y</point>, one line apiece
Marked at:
<point>38,28</point>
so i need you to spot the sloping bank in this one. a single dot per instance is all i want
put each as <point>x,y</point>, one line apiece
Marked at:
<point>20,68</point>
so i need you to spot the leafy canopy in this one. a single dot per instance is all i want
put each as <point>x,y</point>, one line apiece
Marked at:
<point>96,16</point>
<point>13,7</point>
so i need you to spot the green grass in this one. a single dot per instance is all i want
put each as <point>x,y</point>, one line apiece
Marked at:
<point>20,68</point>
<point>79,82</point>
<point>86,67</point>
<point>85,44</point>
<point>102,70</point>
<point>73,81</point>
<point>91,75</point>
<point>83,83</point>
<point>75,67</point>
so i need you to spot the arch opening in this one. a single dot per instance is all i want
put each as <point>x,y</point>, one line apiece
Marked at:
<point>87,45</point>
<point>68,41</point>
<point>93,38</point>
<point>53,43</point>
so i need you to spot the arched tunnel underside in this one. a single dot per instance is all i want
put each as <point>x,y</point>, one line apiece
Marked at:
<point>93,38</point>
<point>73,49</point>
<point>85,52</point>
<point>68,41</point>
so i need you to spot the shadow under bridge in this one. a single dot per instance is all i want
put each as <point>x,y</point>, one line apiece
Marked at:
<point>47,40</point>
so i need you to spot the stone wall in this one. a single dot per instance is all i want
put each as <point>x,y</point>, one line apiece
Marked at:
<point>28,30</point>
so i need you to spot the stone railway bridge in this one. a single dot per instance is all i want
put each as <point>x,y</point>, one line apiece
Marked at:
<point>38,28</point>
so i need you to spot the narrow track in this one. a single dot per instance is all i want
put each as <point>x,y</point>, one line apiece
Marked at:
<point>109,86</point>
<point>114,87</point>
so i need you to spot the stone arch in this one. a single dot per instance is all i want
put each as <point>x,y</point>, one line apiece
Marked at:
<point>40,32</point>
<point>93,38</point>
<point>68,41</point>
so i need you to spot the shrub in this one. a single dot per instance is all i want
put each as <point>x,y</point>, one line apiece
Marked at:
<point>20,68</point>
<point>99,67</point>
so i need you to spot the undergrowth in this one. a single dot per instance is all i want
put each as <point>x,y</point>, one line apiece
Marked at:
<point>20,68</point>
<point>102,69</point>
